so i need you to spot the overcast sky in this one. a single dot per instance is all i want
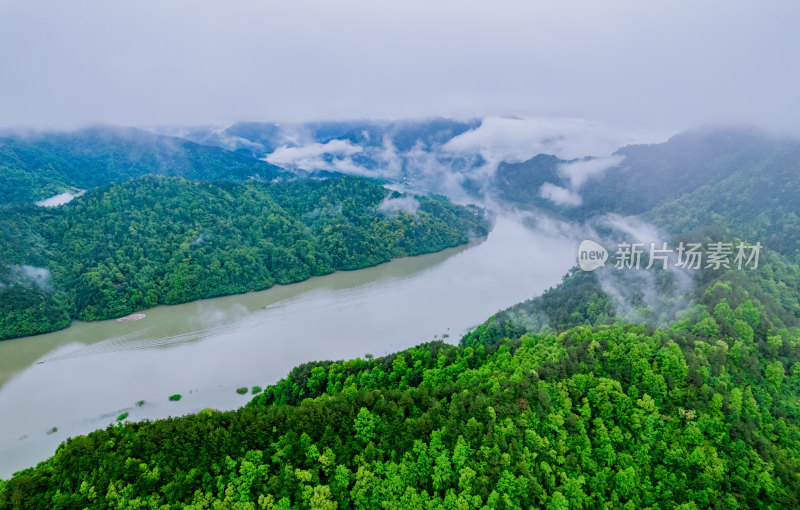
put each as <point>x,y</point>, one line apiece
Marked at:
<point>653,63</point>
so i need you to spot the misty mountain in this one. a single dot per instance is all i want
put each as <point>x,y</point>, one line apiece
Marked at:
<point>403,135</point>
<point>521,183</point>
<point>409,151</point>
<point>263,138</point>
<point>38,165</point>
<point>700,186</point>
<point>423,156</point>
<point>740,180</point>
<point>645,177</point>
<point>758,202</point>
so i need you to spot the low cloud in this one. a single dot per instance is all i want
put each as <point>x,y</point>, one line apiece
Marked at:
<point>578,172</point>
<point>559,195</point>
<point>335,155</point>
<point>200,239</point>
<point>641,296</point>
<point>60,199</point>
<point>392,207</point>
<point>445,164</point>
<point>29,276</point>
<point>423,166</point>
<point>392,163</point>
<point>630,229</point>
<point>515,140</point>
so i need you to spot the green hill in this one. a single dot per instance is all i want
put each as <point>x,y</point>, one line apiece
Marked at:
<point>702,414</point>
<point>648,175</point>
<point>558,402</point>
<point>759,203</point>
<point>35,166</point>
<point>155,240</point>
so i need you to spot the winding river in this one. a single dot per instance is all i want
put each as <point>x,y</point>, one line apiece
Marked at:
<point>80,379</point>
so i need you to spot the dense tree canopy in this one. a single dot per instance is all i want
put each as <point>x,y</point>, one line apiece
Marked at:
<point>157,240</point>
<point>558,402</point>
<point>701,414</point>
<point>647,176</point>
<point>39,165</point>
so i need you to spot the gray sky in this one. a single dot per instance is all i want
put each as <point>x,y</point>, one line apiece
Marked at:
<point>650,63</point>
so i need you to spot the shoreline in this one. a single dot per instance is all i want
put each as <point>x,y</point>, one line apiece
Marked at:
<point>471,243</point>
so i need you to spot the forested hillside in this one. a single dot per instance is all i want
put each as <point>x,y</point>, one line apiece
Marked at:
<point>38,165</point>
<point>651,175</point>
<point>701,414</point>
<point>581,299</point>
<point>155,240</point>
<point>685,396</point>
<point>758,203</point>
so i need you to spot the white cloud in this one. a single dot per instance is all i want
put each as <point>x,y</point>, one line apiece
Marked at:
<point>514,140</point>
<point>388,156</point>
<point>30,275</point>
<point>629,288</point>
<point>633,229</point>
<point>559,195</point>
<point>312,156</point>
<point>578,172</point>
<point>60,199</point>
<point>393,206</point>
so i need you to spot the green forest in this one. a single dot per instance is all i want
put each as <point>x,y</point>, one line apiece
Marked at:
<point>40,165</point>
<point>736,179</point>
<point>700,414</point>
<point>404,255</point>
<point>166,240</point>
<point>565,401</point>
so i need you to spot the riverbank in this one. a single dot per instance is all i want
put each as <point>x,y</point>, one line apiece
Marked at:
<point>205,350</point>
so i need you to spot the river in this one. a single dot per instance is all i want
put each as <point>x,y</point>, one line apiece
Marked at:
<point>71,382</point>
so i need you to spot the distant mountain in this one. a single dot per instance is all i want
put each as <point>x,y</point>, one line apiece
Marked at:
<point>404,135</point>
<point>760,201</point>
<point>651,174</point>
<point>262,138</point>
<point>521,183</point>
<point>38,165</point>
<point>646,176</point>
<point>409,151</point>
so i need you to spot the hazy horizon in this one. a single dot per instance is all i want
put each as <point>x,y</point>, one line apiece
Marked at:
<point>665,66</point>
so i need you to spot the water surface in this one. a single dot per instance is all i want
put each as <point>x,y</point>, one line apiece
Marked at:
<point>204,350</point>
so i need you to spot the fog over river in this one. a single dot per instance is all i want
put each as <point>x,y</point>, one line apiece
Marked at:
<point>204,350</point>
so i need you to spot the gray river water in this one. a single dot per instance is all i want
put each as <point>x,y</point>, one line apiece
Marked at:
<point>204,350</point>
